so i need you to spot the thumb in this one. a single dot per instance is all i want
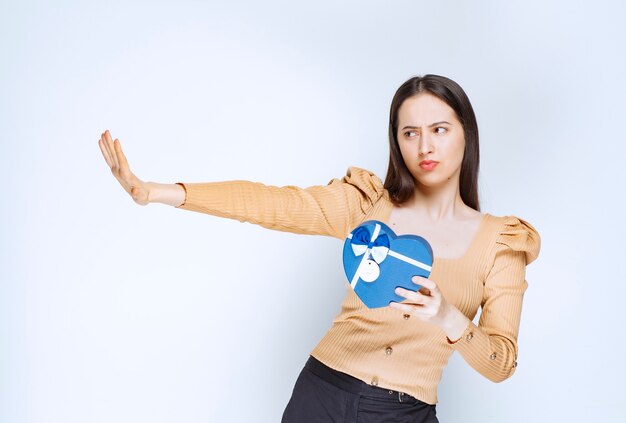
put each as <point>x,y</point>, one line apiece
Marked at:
<point>139,194</point>
<point>134,192</point>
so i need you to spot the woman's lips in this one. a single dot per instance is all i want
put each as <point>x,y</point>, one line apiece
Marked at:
<point>428,165</point>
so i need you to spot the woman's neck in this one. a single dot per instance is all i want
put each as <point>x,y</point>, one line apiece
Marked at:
<point>437,203</point>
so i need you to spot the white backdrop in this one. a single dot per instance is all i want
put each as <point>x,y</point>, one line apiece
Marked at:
<point>113,312</point>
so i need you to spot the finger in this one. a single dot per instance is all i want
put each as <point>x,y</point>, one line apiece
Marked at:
<point>417,280</point>
<point>425,282</point>
<point>414,297</point>
<point>105,153</point>
<point>106,146</point>
<point>108,150</point>
<point>109,142</point>
<point>113,153</point>
<point>417,299</point>
<point>121,158</point>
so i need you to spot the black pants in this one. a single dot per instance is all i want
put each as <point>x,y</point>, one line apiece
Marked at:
<point>325,395</point>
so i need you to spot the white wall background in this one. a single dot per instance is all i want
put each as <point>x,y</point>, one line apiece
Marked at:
<point>112,312</point>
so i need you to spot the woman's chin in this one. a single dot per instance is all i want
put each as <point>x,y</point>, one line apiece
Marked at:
<point>431,181</point>
<point>428,179</point>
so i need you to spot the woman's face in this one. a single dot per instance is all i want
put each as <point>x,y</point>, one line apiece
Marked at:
<point>429,131</point>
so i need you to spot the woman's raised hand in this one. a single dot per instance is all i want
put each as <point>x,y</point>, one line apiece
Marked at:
<point>115,158</point>
<point>429,305</point>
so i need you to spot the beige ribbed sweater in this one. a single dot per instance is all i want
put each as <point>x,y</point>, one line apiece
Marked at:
<point>383,346</point>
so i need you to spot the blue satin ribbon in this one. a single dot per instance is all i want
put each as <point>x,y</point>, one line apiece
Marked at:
<point>361,241</point>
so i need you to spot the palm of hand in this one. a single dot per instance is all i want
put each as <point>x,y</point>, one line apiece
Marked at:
<point>115,158</point>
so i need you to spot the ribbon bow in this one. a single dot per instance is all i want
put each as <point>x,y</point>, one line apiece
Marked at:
<point>378,245</point>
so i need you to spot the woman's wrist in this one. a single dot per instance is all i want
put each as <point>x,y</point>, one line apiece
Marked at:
<point>170,194</point>
<point>454,323</point>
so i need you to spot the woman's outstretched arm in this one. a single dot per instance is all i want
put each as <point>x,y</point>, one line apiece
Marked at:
<point>332,209</point>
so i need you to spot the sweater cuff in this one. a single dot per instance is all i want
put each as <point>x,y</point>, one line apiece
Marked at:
<point>466,338</point>
<point>184,188</point>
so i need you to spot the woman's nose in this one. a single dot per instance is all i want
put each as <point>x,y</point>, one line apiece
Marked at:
<point>425,146</point>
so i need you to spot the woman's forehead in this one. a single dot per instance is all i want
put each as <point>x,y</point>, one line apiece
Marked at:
<point>425,109</point>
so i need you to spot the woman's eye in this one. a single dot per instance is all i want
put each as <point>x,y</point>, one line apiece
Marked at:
<point>408,133</point>
<point>441,127</point>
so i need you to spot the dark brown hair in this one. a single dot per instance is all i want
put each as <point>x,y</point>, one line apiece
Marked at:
<point>399,181</point>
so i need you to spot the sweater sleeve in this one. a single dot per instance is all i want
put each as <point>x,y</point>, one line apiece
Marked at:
<point>491,347</point>
<point>332,209</point>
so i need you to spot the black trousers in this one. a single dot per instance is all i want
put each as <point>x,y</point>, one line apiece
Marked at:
<point>325,395</point>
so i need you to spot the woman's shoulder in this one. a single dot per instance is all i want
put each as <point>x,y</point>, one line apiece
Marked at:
<point>517,234</point>
<point>365,181</point>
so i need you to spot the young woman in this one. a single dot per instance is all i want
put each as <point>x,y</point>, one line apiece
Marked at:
<point>384,364</point>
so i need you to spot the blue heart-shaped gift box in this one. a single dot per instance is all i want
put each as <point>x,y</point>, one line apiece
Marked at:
<point>377,261</point>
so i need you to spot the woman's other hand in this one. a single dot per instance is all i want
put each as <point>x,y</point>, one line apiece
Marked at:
<point>429,305</point>
<point>115,158</point>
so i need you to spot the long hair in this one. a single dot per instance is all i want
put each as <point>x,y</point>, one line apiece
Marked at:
<point>399,180</point>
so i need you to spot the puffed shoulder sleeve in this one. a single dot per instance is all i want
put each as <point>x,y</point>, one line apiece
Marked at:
<point>519,235</point>
<point>491,347</point>
<point>330,209</point>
